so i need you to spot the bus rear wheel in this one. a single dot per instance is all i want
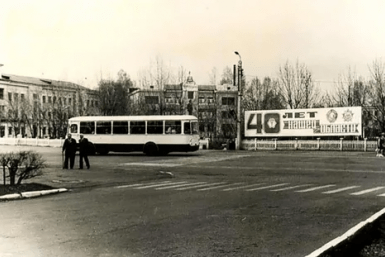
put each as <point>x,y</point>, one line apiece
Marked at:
<point>151,149</point>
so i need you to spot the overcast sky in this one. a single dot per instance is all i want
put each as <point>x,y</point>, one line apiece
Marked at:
<point>80,41</point>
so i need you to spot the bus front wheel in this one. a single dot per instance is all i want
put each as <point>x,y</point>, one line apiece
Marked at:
<point>150,149</point>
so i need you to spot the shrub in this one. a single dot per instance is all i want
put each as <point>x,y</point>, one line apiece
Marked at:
<point>22,165</point>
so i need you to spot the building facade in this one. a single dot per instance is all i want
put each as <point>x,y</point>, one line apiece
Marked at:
<point>34,107</point>
<point>214,105</point>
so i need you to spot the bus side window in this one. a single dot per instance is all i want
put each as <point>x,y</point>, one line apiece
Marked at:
<point>74,128</point>
<point>137,127</point>
<point>120,127</point>
<point>87,127</point>
<point>173,126</point>
<point>103,127</point>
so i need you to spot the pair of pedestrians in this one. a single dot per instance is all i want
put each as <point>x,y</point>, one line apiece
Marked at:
<point>69,148</point>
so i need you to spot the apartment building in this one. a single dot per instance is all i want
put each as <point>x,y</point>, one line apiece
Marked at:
<point>36,107</point>
<point>214,105</point>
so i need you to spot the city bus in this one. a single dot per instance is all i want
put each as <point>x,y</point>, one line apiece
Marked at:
<point>151,135</point>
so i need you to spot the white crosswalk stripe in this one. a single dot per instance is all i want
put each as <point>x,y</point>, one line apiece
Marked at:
<point>158,185</point>
<point>226,187</point>
<point>242,187</point>
<point>182,185</point>
<point>198,186</point>
<point>126,186</point>
<point>216,187</point>
<point>266,187</point>
<point>367,191</point>
<point>314,188</point>
<point>340,190</point>
<point>289,188</point>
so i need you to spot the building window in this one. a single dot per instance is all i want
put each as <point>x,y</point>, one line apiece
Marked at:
<point>226,115</point>
<point>96,103</point>
<point>10,97</point>
<point>69,101</point>
<point>152,99</point>
<point>88,103</point>
<point>202,99</point>
<point>228,130</point>
<point>49,99</point>
<point>1,93</point>
<point>54,99</point>
<point>228,100</point>
<point>43,99</point>
<point>190,94</point>
<point>169,99</point>
<point>16,96</point>
<point>22,97</point>
<point>210,99</point>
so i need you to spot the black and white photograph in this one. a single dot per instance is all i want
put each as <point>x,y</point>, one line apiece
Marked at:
<point>168,128</point>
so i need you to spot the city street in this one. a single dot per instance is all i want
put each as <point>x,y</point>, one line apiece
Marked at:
<point>219,203</point>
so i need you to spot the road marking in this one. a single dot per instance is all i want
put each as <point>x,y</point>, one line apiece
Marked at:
<point>339,190</point>
<point>367,191</point>
<point>183,185</point>
<point>155,185</point>
<point>133,185</point>
<point>266,187</point>
<point>288,188</point>
<point>236,188</point>
<point>314,188</point>
<point>216,187</point>
<point>157,164</point>
<point>197,186</point>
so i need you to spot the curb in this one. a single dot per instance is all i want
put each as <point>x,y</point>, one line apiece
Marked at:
<point>349,235</point>
<point>32,194</point>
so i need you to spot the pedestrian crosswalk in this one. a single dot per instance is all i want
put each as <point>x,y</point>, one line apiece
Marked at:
<point>226,186</point>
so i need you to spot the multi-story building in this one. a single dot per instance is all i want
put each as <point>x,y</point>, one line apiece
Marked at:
<point>35,107</point>
<point>214,105</point>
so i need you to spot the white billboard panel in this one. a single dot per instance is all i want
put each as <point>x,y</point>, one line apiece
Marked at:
<point>339,121</point>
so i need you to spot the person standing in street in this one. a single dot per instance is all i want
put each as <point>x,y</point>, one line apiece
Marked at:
<point>381,145</point>
<point>83,152</point>
<point>69,147</point>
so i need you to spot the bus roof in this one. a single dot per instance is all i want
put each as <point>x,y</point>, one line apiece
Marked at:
<point>137,118</point>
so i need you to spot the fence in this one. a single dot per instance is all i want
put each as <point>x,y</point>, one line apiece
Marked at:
<point>246,144</point>
<point>325,145</point>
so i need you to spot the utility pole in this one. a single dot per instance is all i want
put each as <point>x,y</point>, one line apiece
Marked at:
<point>238,141</point>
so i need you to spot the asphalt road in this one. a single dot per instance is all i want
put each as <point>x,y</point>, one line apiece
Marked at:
<point>220,203</point>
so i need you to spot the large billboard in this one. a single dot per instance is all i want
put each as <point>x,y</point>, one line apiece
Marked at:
<point>341,121</point>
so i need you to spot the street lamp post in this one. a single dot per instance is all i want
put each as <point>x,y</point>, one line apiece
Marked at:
<point>238,141</point>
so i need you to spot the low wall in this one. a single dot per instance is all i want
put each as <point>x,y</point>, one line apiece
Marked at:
<point>32,142</point>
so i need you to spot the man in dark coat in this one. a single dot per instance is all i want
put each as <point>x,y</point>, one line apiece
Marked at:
<point>83,152</point>
<point>69,147</point>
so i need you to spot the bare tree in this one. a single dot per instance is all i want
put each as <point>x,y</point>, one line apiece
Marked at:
<point>113,95</point>
<point>262,96</point>
<point>377,94</point>
<point>213,76</point>
<point>296,86</point>
<point>227,76</point>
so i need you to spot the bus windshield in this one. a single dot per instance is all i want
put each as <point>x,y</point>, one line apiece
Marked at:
<point>191,127</point>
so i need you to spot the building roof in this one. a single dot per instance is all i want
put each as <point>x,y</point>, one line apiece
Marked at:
<point>173,87</point>
<point>40,82</point>
<point>206,87</point>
